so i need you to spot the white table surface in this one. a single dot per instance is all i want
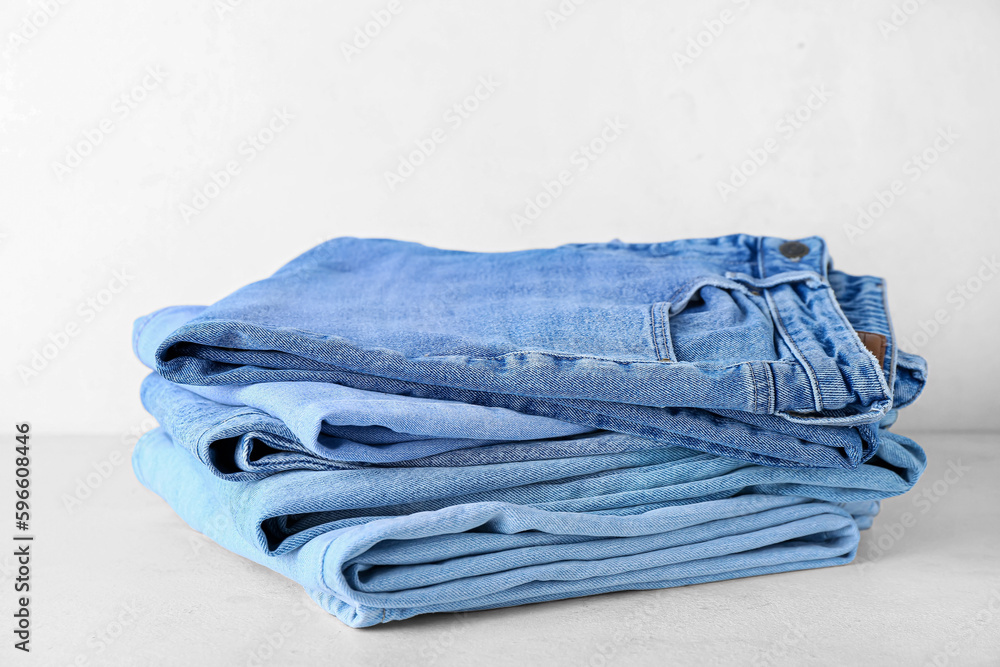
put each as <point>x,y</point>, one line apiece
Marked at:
<point>121,580</point>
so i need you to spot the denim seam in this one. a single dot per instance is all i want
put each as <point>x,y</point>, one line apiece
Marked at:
<point>616,361</point>
<point>817,398</point>
<point>664,329</point>
<point>280,331</point>
<point>810,372</point>
<point>247,413</point>
<point>771,388</point>
<point>562,357</point>
<point>322,561</point>
<point>891,343</point>
<point>661,332</point>
<point>261,328</point>
<point>761,271</point>
<point>656,322</point>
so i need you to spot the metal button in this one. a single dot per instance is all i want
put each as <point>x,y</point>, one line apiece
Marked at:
<point>794,250</point>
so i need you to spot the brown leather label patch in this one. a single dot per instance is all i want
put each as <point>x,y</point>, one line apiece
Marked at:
<point>876,344</point>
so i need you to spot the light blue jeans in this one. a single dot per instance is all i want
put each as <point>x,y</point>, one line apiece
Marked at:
<point>242,430</point>
<point>405,430</point>
<point>382,544</point>
<point>622,337</point>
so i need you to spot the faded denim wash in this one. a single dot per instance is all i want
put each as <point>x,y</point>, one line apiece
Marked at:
<point>381,544</point>
<point>286,422</point>
<point>405,430</point>
<point>622,337</point>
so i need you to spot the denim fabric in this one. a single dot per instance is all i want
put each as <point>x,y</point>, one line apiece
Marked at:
<point>241,442</point>
<point>561,334</point>
<point>311,417</point>
<point>405,430</point>
<point>330,421</point>
<point>380,544</point>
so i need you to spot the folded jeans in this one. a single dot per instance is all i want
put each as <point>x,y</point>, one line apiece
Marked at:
<point>623,337</point>
<point>380,544</point>
<point>405,430</point>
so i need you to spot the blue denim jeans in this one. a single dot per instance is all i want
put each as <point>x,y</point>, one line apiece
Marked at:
<point>709,344</point>
<point>248,430</point>
<point>381,544</point>
<point>317,424</point>
<point>405,430</point>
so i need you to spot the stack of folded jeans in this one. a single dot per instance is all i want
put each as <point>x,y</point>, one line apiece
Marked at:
<point>405,430</point>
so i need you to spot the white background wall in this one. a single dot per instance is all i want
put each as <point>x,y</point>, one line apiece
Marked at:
<point>892,88</point>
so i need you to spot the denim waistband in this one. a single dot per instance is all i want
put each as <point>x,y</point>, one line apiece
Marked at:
<point>837,380</point>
